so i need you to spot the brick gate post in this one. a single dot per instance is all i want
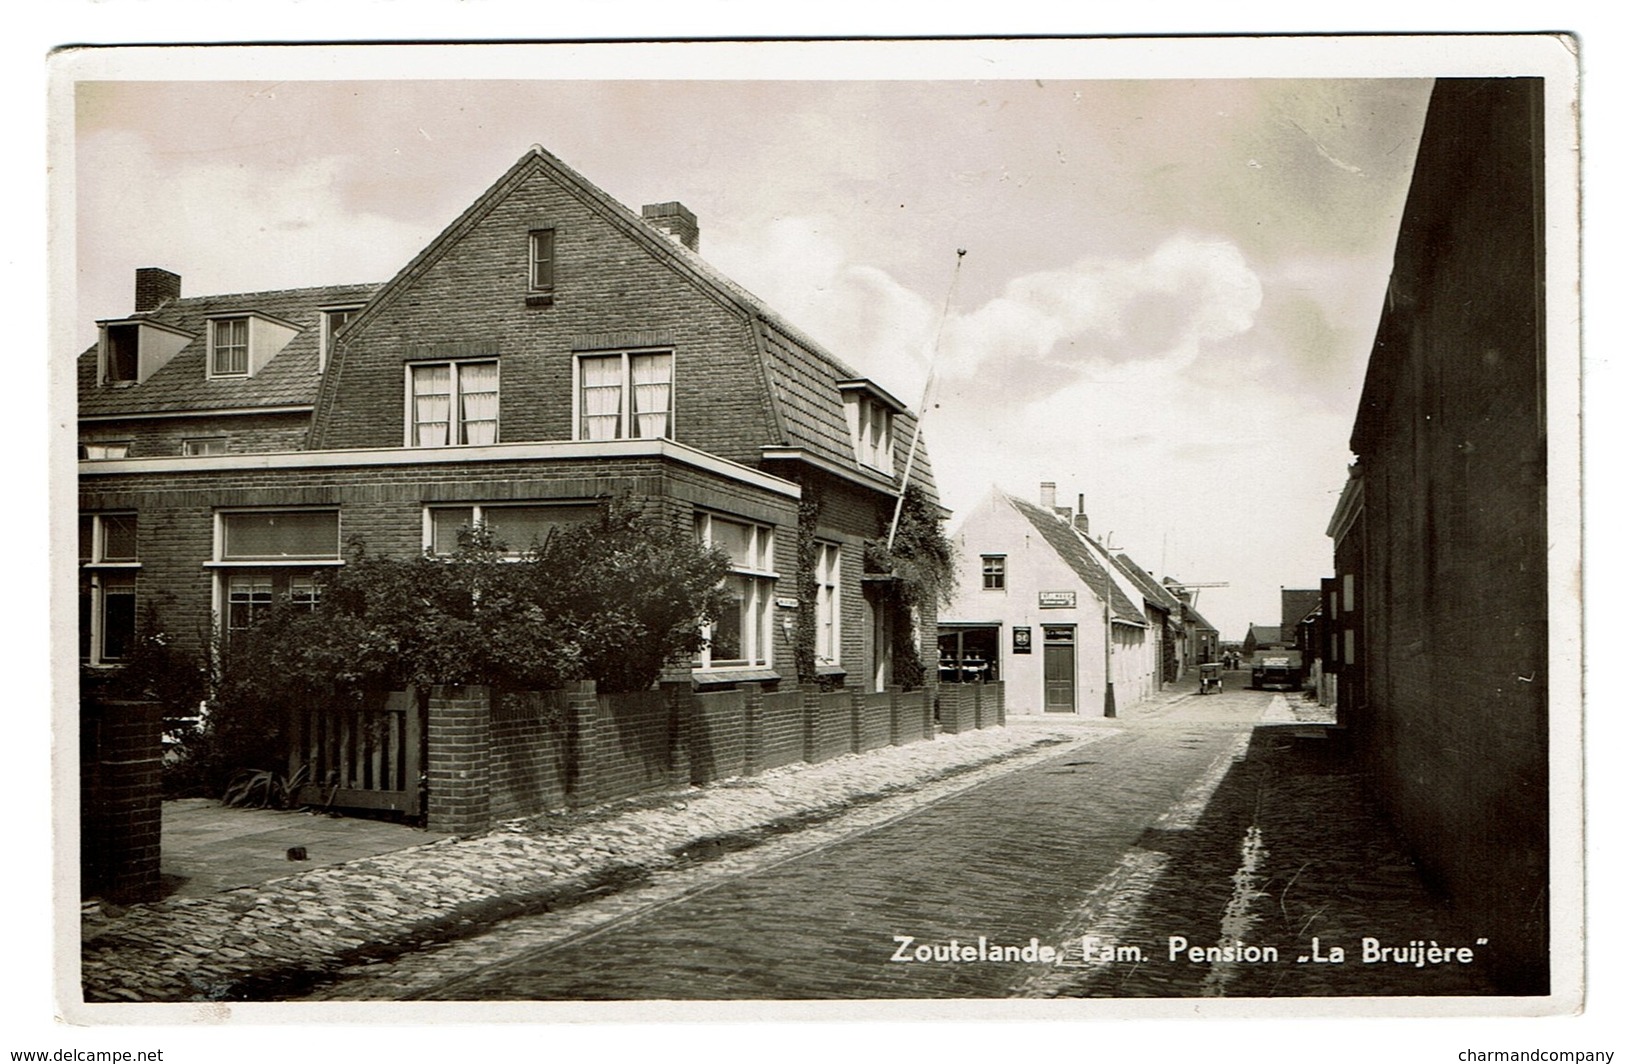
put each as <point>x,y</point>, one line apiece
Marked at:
<point>122,815</point>
<point>459,759</point>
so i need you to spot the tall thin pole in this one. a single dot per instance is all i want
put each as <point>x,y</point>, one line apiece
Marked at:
<point>1111,696</point>
<point>925,399</point>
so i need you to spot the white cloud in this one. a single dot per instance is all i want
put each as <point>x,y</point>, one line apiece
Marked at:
<point>223,227</point>
<point>1115,318</point>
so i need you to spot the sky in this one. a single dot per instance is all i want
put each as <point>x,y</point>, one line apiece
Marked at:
<point>1166,303</point>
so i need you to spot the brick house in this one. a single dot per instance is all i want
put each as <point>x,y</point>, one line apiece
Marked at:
<point>1030,609</point>
<point>548,349</point>
<point>1438,610</point>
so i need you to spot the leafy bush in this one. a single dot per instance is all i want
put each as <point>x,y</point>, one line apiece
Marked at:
<point>614,599</point>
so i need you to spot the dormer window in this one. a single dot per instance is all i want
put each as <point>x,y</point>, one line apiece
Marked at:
<point>244,341</point>
<point>870,412</point>
<point>228,347</point>
<point>129,352</point>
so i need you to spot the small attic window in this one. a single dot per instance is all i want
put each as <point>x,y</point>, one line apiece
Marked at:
<point>228,347</point>
<point>333,319</point>
<point>541,260</point>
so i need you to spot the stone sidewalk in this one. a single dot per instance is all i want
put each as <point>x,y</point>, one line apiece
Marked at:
<point>268,940</point>
<point>209,848</point>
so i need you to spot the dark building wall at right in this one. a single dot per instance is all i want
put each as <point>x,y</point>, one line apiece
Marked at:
<point>1452,691</point>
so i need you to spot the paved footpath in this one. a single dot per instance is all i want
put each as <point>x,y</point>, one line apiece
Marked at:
<point>267,940</point>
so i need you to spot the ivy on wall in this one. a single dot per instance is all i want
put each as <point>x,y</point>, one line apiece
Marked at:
<point>806,631</point>
<point>921,560</point>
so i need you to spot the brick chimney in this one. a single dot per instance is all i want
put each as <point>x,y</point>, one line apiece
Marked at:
<point>155,287</point>
<point>1046,495</point>
<point>676,221</point>
<point>1081,522</point>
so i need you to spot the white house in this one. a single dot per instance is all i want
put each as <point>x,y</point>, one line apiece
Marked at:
<point>1044,608</point>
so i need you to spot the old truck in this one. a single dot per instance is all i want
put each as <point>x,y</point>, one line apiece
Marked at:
<point>1280,670</point>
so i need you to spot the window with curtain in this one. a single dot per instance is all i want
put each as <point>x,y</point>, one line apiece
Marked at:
<point>454,403</point>
<point>624,395</point>
<point>230,338</point>
<point>266,557</point>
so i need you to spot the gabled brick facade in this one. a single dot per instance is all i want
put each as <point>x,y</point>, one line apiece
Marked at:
<point>516,361</point>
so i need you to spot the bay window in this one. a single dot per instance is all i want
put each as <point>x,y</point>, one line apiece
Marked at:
<point>743,634</point>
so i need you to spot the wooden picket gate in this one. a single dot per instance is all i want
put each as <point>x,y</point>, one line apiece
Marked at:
<point>364,757</point>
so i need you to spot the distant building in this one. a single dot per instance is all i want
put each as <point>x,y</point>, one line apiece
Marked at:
<point>1295,606</point>
<point>1264,637</point>
<point>1045,608</point>
<point>1438,613</point>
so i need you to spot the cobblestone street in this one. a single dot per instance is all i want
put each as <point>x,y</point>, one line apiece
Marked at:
<point>1129,841</point>
<point>1202,820</point>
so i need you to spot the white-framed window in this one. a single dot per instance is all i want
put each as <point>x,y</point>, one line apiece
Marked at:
<point>451,403</point>
<point>624,394</point>
<point>251,594</point>
<point>517,526</point>
<point>541,261</point>
<point>201,445</point>
<point>871,423</point>
<point>106,449</point>
<point>993,572</point>
<point>333,319</point>
<point>108,566</point>
<point>827,613</point>
<point>263,557</point>
<point>743,635</point>
<point>228,347</point>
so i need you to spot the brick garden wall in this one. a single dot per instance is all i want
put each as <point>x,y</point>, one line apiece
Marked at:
<point>625,746</point>
<point>530,768</point>
<point>534,752</point>
<point>782,742</point>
